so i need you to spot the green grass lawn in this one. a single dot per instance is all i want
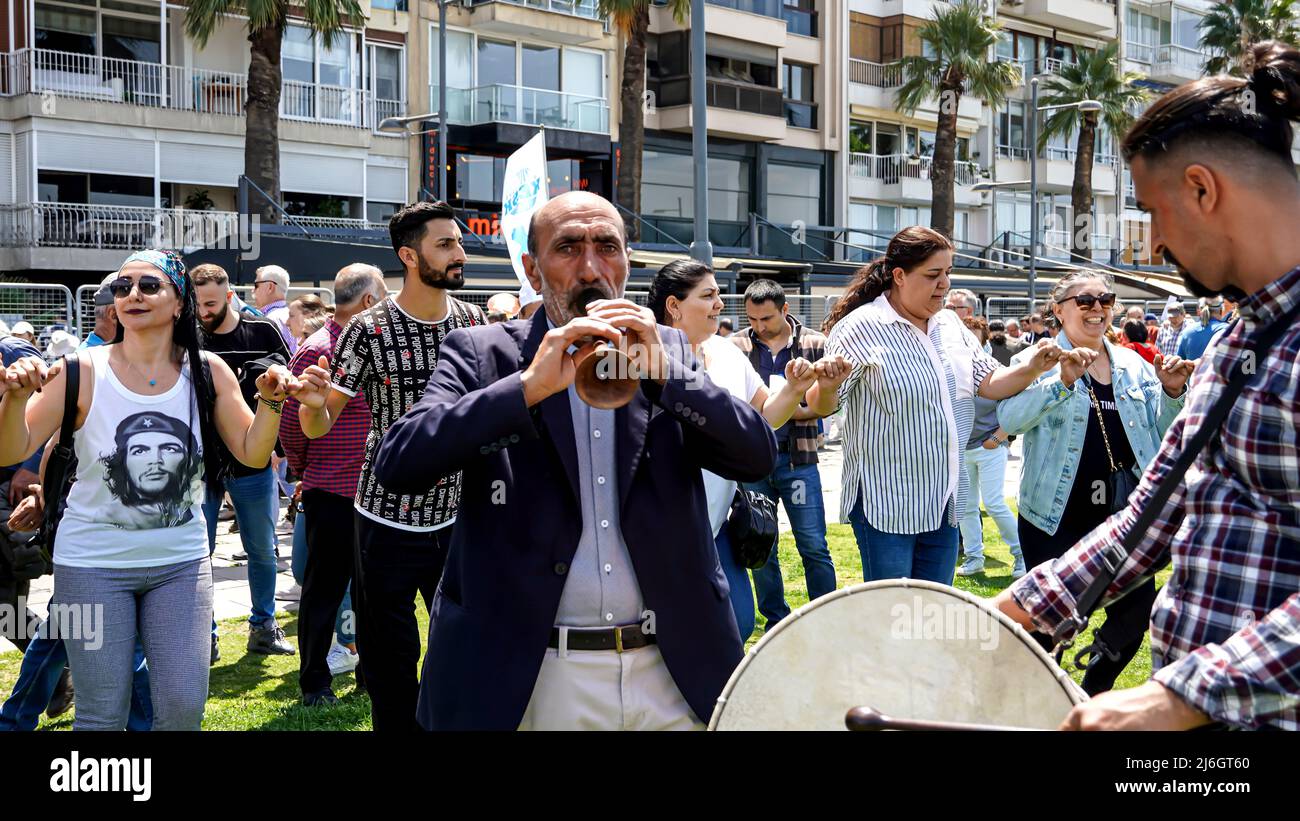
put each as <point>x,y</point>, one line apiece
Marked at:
<point>253,692</point>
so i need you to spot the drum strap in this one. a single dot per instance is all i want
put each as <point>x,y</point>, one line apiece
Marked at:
<point>1113,555</point>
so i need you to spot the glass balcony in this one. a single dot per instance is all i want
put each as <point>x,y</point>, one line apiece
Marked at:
<point>524,106</point>
<point>767,8</point>
<point>576,8</point>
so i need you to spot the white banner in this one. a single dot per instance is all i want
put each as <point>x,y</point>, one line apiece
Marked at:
<point>525,191</point>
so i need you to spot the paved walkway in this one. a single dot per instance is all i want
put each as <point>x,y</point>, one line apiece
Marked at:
<point>230,578</point>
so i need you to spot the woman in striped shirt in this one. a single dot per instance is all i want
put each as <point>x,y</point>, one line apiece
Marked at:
<point>909,406</point>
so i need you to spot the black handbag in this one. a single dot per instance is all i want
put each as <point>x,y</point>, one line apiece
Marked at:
<point>752,528</point>
<point>1121,482</point>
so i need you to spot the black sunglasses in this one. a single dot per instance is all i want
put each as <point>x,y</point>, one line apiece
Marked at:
<point>1086,301</point>
<point>148,285</point>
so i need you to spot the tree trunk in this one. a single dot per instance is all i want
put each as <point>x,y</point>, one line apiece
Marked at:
<point>945,153</point>
<point>262,121</point>
<point>631,122</point>
<point>1081,191</point>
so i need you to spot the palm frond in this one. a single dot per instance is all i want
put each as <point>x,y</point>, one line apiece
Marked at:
<point>202,17</point>
<point>624,12</point>
<point>959,38</point>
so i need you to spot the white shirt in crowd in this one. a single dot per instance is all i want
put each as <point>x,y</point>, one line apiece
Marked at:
<point>730,370</point>
<point>908,409</point>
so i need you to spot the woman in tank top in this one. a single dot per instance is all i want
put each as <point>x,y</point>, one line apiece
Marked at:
<point>132,552</point>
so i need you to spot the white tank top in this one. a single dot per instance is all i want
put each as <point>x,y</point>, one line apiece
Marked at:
<point>138,498</point>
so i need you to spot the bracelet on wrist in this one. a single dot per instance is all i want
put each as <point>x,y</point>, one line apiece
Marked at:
<point>274,405</point>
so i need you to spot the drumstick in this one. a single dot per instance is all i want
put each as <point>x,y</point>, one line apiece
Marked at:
<point>867,719</point>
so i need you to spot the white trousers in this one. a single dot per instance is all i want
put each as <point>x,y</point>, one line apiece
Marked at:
<point>607,690</point>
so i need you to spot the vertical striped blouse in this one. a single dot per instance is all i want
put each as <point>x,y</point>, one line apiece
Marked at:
<point>908,409</point>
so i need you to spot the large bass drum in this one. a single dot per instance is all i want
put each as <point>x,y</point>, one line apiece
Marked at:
<point>908,649</point>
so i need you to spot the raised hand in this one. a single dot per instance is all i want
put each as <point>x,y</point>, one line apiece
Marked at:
<point>1173,373</point>
<point>800,374</point>
<point>552,369</point>
<point>832,371</point>
<point>640,339</point>
<point>1074,363</point>
<point>314,384</point>
<point>28,375</point>
<point>277,384</point>
<point>1046,354</point>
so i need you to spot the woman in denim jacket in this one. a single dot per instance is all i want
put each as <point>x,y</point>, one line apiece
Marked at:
<point>1073,441</point>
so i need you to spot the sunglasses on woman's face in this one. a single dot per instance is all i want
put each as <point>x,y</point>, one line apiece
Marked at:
<point>1086,301</point>
<point>148,285</point>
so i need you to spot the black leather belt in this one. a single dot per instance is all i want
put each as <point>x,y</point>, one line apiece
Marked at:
<point>627,637</point>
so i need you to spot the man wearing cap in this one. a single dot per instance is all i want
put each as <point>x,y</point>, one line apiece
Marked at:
<point>1171,329</point>
<point>1153,328</point>
<point>105,316</point>
<point>25,332</point>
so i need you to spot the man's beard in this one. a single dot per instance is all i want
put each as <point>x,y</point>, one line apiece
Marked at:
<point>451,278</point>
<point>561,309</point>
<point>211,325</point>
<point>1199,288</point>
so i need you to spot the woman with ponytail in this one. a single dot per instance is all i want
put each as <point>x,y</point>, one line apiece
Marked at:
<point>132,550</point>
<point>909,406</point>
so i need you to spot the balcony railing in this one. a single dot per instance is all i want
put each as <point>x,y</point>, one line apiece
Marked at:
<point>181,88</point>
<point>124,227</point>
<point>526,106</point>
<point>576,8</point>
<point>890,168</point>
<point>1139,52</point>
<point>767,8</point>
<point>880,75</point>
<point>1181,58</point>
<point>1053,152</point>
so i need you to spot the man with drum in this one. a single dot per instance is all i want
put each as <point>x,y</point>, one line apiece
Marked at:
<point>1211,162</point>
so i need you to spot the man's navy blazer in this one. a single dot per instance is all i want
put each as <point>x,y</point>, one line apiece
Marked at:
<point>520,519</point>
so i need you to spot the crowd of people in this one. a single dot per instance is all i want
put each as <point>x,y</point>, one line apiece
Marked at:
<point>579,561</point>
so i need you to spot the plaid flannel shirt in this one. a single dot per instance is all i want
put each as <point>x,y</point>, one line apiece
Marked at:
<point>1167,338</point>
<point>1225,629</point>
<point>331,463</point>
<point>811,345</point>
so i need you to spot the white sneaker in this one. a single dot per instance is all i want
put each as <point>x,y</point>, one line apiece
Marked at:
<point>341,660</point>
<point>970,567</point>
<point>1019,569</point>
<point>292,594</point>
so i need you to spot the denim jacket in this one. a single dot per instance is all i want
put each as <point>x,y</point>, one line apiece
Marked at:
<point>1054,421</point>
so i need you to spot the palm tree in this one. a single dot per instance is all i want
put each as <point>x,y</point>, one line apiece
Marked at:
<point>633,19</point>
<point>1233,26</point>
<point>266,23</point>
<point>959,37</point>
<point>1094,76</point>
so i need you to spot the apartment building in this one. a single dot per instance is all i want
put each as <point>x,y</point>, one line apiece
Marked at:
<point>775,126</point>
<point>117,130</point>
<point>515,67</point>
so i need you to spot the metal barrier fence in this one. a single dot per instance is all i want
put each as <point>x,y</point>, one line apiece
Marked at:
<point>48,308</point>
<point>1006,307</point>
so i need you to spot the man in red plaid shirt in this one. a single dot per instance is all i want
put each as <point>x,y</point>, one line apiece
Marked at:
<point>329,467</point>
<point>1211,162</point>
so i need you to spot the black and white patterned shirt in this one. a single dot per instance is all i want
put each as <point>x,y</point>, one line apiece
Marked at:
<point>388,355</point>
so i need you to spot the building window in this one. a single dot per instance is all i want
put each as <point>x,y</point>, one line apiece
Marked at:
<point>860,137</point>
<point>381,211</point>
<point>800,110</point>
<point>1011,130</point>
<point>794,194</point>
<point>460,59</point>
<point>479,178</point>
<point>385,75</point>
<point>667,187</point>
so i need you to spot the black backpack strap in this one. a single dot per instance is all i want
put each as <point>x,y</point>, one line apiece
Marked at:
<point>54,481</point>
<point>1114,555</point>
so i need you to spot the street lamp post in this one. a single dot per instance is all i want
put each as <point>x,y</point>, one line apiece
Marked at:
<point>701,247</point>
<point>1082,105</point>
<point>442,100</point>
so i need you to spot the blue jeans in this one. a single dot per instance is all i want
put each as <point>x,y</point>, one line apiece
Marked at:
<point>930,556</point>
<point>742,595</point>
<point>257,505</point>
<point>299,566</point>
<point>799,487</point>
<point>42,665</point>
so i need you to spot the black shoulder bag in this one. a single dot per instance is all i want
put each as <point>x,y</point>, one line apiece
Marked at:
<point>1114,555</point>
<point>752,528</point>
<point>56,478</point>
